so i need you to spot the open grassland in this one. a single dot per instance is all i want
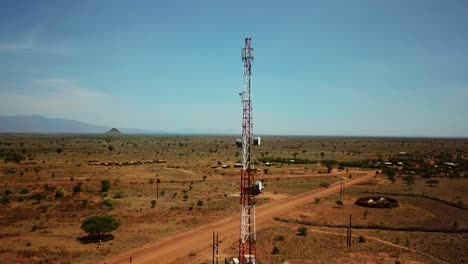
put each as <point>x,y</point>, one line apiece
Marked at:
<point>56,184</point>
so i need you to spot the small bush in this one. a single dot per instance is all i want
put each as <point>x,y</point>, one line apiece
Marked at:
<point>275,250</point>
<point>109,203</point>
<point>24,191</point>
<point>118,195</point>
<point>339,202</point>
<point>302,231</point>
<point>105,185</point>
<point>153,203</point>
<point>38,197</point>
<point>279,238</point>
<point>361,239</point>
<point>48,188</point>
<point>77,188</point>
<point>14,157</point>
<point>4,200</point>
<point>185,197</point>
<point>200,203</point>
<point>59,194</point>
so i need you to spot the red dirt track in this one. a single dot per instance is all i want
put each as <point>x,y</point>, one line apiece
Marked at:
<point>176,249</point>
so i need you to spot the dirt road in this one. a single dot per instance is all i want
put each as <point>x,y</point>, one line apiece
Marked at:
<point>195,245</point>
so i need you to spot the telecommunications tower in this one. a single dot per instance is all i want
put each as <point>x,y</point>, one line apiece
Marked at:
<point>249,188</point>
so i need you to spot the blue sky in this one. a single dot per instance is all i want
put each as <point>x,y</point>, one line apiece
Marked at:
<point>384,68</point>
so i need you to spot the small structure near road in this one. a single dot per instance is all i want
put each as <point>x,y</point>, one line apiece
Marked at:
<point>377,202</point>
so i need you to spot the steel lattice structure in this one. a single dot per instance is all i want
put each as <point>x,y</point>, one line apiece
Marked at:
<point>247,242</point>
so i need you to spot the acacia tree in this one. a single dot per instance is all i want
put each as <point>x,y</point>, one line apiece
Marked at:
<point>97,226</point>
<point>391,173</point>
<point>409,179</point>
<point>329,164</point>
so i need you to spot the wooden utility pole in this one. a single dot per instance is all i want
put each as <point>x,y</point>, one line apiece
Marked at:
<point>348,234</point>
<point>215,247</point>
<point>157,188</point>
<point>341,188</point>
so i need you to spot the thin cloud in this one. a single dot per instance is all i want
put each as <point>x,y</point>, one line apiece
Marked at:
<point>65,88</point>
<point>30,42</point>
<point>27,41</point>
<point>54,98</point>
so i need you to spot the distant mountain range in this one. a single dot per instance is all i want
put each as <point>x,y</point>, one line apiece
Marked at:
<point>43,125</point>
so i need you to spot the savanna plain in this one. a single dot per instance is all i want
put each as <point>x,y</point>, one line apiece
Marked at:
<point>160,186</point>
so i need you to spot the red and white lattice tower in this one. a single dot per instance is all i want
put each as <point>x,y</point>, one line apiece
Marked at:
<point>247,241</point>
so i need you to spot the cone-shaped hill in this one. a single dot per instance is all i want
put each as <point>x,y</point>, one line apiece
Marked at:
<point>114,132</point>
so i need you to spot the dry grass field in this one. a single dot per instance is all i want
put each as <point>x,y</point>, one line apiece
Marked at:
<point>56,184</point>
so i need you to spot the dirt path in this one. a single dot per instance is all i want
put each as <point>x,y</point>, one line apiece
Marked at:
<point>383,242</point>
<point>196,244</point>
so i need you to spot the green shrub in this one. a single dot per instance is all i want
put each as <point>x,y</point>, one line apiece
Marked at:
<point>4,200</point>
<point>77,188</point>
<point>302,231</point>
<point>118,195</point>
<point>200,203</point>
<point>275,250</point>
<point>48,188</point>
<point>361,239</point>
<point>153,203</point>
<point>38,196</point>
<point>105,185</point>
<point>109,203</point>
<point>24,191</point>
<point>14,157</point>
<point>59,194</point>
